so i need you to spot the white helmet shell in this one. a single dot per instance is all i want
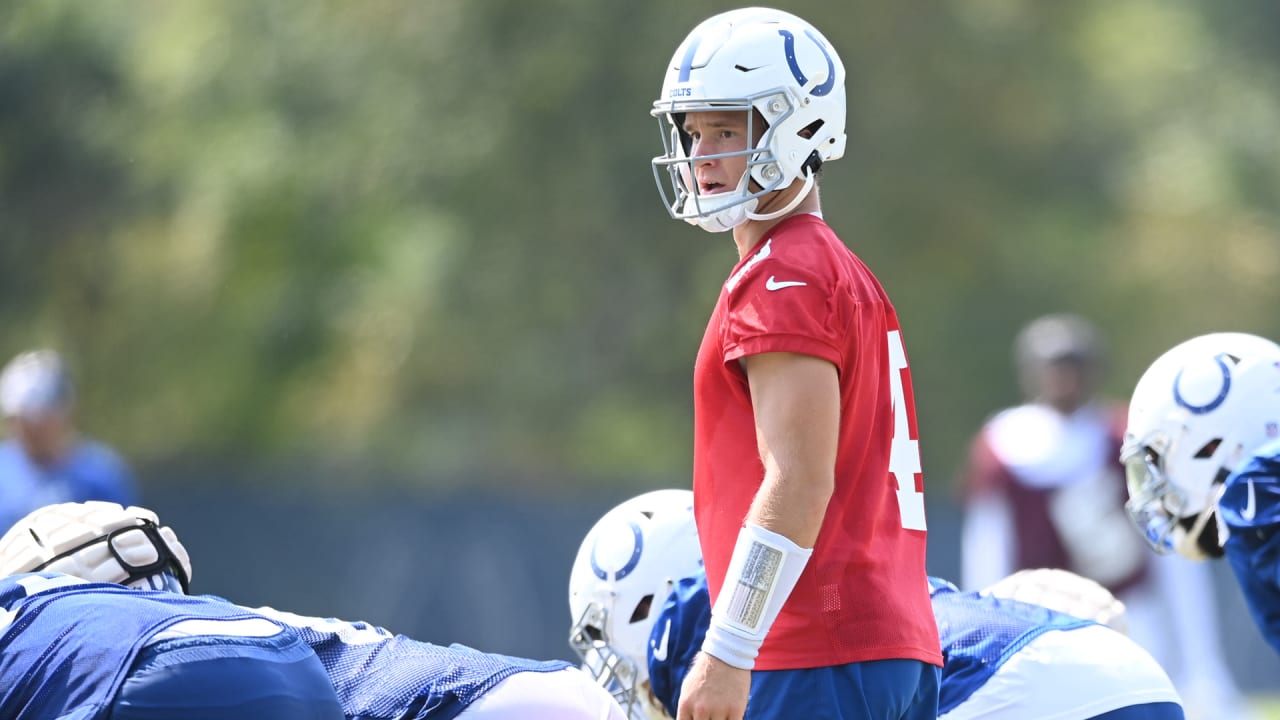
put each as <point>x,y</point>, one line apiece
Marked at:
<point>752,59</point>
<point>627,565</point>
<point>1195,415</point>
<point>98,542</point>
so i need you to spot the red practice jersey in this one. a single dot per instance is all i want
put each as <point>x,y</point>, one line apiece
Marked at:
<point>864,593</point>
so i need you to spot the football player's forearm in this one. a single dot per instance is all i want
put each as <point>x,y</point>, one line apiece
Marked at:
<point>772,550</point>
<point>793,505</point>
<point>763,570</point>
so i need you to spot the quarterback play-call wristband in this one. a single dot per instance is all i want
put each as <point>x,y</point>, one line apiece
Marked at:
<point>762,572</point>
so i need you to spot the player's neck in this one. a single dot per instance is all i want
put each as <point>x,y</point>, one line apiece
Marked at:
<point>749,233</point>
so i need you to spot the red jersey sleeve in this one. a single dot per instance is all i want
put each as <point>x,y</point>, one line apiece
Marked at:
<point>787,304</point>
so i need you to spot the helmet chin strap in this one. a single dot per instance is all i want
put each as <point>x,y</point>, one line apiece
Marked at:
<point>732,217</point>
<point>1190,542</point>
<point>804,192</point>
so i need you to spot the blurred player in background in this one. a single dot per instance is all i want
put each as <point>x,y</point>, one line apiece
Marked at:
<point>1044,488</point>
<point>1035,645</point>
<point>806,473</point>
<point>76,650</point>
<point>1202,451</point>
<point>376,674</point>
<point>46,460</point>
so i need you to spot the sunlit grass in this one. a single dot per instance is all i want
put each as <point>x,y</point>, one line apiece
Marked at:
<point>1267,706</point>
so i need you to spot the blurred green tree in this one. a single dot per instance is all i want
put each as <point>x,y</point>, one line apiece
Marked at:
<point>422,238</point>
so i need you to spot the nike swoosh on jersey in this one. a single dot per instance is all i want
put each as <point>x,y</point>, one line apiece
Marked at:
<point>1250,505</point>
<point>660,650</point>
<point>773,284</point>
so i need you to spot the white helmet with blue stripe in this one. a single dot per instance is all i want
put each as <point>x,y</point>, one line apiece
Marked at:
<point>781,71</point>
<point>626,567</point>
<point>1195,415</point>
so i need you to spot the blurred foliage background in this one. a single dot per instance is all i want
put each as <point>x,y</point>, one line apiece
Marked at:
<point>327,267</point>
<point>414,241</point>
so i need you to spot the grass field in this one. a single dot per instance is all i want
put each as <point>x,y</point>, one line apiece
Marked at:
<point>1267,706</point>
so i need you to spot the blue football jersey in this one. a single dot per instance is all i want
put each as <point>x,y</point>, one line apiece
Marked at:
<point>978,635</point>
<point>1250,510</point>
<point>382,676</point>
<point>677,637</point>
<point>66,645</point>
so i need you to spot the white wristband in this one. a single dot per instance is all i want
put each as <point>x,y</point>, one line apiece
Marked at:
<point>762,573</point>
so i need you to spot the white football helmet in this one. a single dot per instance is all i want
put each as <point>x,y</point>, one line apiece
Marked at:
<point>753,59</point>
<point>98,542</point>
<point>1195,415</point>
<point>35,383</point>
<point>626,567</point>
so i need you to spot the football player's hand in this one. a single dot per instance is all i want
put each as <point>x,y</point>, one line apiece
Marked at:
<point>713,690</point>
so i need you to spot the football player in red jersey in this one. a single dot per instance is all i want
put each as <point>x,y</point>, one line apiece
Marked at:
<point>807,486</point>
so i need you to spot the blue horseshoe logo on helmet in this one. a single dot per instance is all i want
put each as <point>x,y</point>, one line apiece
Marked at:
<point>1212,404</point>
<point>626,569</point>
<point>790,49</point>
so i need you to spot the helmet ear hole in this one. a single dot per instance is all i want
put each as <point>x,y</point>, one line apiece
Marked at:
<point>1208,449</point>
<point>808,131</point>
<point>813,163</point>
<point>642,609</point>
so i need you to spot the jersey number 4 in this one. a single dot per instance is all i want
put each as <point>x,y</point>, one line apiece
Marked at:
<point>904,458</point>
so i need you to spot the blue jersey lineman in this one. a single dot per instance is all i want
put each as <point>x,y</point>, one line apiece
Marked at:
<point>1003,660</point>
<point>383,676</point>
<point>363,672</point>
<point>91,651</point>
<point>1250,511</point>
